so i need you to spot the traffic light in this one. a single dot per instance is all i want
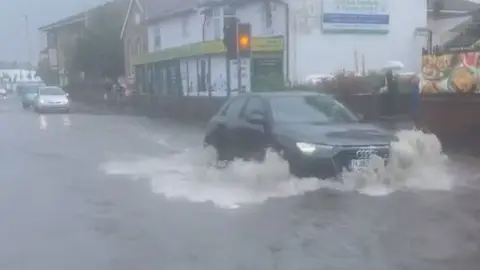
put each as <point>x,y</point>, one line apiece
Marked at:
<point>230,37</point>
<point>237,38</point>
<point>244,39</point>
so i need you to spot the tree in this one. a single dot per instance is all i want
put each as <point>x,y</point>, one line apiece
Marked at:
<point>45,72</point>
<point>99,51</point>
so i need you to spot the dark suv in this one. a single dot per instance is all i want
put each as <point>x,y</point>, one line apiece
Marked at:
<point>315,133</point>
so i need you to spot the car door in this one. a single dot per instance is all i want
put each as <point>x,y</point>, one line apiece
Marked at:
<point>230,119</point>
<point>253,138</point>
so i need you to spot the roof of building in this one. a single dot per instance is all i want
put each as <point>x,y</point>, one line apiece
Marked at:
<point>156,9</point>
<point>153,9</point>
<point>455,5</point>
<point>80,17</point>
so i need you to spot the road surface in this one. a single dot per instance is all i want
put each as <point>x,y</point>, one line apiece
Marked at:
<point>100,191</point>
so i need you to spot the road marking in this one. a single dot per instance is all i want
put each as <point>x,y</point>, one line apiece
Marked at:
<point>43,122</point>
<point>66,120</point>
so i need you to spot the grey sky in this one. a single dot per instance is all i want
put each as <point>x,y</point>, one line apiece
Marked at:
<point>40,12</point>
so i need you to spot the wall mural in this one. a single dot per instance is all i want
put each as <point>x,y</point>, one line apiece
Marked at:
<point>451,73</point>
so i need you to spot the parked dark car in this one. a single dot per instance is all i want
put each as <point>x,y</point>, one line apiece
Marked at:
<point>315,133</point>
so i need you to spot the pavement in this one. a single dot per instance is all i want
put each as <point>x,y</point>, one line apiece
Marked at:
<point>96,190</point>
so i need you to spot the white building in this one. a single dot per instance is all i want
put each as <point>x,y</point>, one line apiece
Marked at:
<point>291,40</point>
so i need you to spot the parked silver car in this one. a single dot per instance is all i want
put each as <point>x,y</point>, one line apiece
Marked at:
<point>51,98</point>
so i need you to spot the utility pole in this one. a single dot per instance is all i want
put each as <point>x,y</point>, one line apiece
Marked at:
<point>239,66</point>
<point>27,35</point>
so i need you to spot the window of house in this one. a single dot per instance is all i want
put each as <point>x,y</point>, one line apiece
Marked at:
<point>217,19</point>
<point>138,46</point>
<point>267,14</point>
<point>131,47</point>
<point>137,18</point>
<point>228,11</point>
<point>218,15</point>
<point>185,25</point>
<point>157,42</point>
<point>129,56</point>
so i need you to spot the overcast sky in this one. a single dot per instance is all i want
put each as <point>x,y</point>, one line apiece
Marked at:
<point>13,45</point>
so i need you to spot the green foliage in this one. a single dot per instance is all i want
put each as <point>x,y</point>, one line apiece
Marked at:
<point>45,72</point>
<point>99,50</point>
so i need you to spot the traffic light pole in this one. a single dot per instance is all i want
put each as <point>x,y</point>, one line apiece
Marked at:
<point>239,67</point>
<point>229,81</point>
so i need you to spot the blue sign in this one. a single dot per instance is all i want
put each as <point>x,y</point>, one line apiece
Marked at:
<point>355,16</point>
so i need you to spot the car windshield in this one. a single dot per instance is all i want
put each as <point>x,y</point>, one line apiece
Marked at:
<point>310,109</point>
<point>55,91</point>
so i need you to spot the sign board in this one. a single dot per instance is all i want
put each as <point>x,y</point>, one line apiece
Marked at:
<point>357,16</point>
<point>206,48</point>
<point>453,72</point>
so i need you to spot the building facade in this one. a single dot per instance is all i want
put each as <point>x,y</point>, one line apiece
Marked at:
<point>291,40</point>
<point>61,37</point>
<point>134,34</point>
<point>448,20</point>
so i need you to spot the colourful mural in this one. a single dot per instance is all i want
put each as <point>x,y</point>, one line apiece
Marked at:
<point>451,73</point>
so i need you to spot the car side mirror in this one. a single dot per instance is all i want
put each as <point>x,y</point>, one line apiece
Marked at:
<point>256,118</point>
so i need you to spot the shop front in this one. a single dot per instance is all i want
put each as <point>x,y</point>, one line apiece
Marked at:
<point>200,69</point>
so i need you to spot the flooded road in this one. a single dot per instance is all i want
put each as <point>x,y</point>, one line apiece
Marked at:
<point>92,190</point>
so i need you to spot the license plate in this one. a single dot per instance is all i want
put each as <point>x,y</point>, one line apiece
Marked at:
<point>356,164</point>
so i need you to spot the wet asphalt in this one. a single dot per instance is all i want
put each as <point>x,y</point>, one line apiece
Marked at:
<point>59,211</point>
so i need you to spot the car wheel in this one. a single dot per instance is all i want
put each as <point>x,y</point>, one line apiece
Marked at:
<point>220,145</point>
<point>296,169</point>
<point>25,106</point>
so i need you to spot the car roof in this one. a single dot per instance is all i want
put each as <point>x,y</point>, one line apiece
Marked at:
<point>286,94</point>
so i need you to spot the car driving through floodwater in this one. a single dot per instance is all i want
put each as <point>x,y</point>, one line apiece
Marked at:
<point>315,133</point>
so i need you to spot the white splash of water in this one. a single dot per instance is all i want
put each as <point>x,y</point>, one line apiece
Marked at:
<point>416,163</point>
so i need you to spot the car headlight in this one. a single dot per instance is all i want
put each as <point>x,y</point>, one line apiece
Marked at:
<point>41,101</point>
<point>310,148</point>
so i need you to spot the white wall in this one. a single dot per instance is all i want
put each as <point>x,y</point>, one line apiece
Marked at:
<point>254,14</point>
<point>172,34</point>
<point>312,51</point>
<point>315,52</point>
